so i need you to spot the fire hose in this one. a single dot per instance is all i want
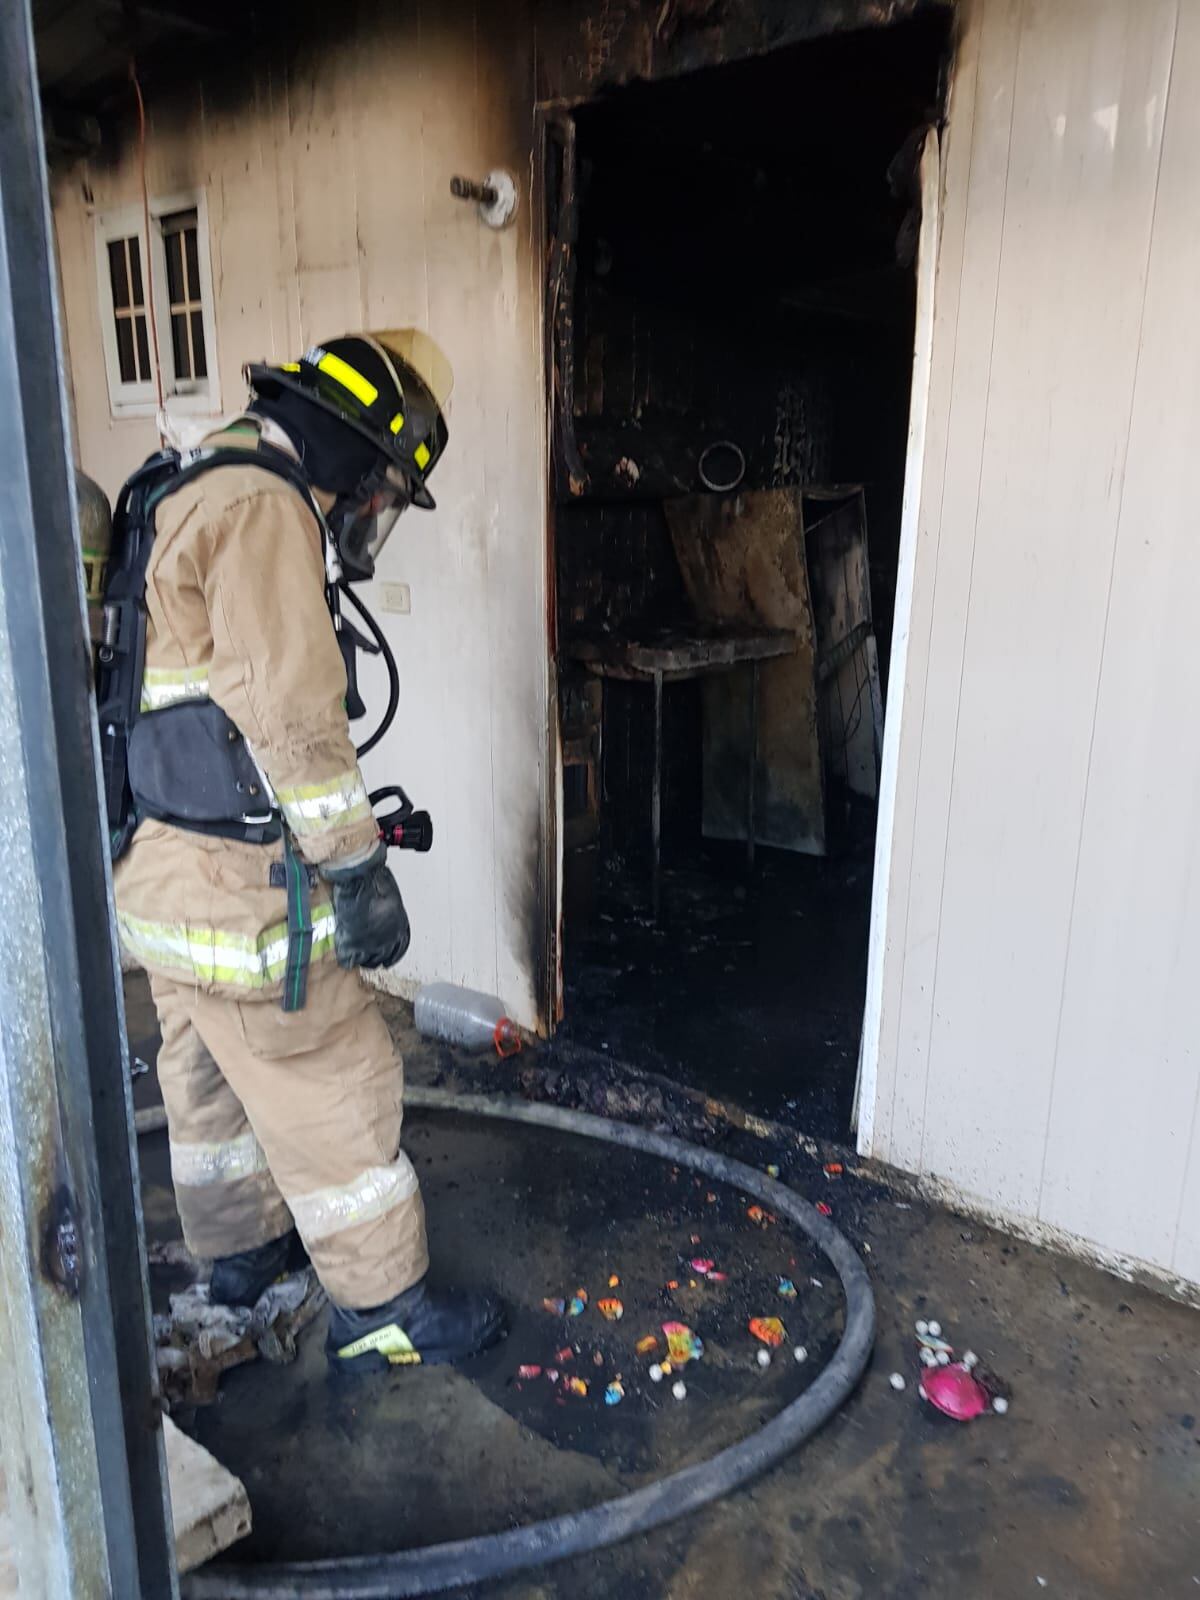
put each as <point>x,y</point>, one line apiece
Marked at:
<point>437,1568</point>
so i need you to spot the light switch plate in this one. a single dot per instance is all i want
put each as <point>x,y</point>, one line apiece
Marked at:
<point>396,598</point>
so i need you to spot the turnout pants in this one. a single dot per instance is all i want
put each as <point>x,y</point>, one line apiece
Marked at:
<point>278,1116</point>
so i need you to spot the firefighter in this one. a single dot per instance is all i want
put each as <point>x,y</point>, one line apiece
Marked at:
<point>281,1083</point>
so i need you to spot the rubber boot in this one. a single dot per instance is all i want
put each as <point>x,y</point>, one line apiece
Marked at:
<point>239,1280</point>
<point>422,1326</point>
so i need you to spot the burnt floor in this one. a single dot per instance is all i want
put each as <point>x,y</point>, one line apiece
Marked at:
<point>1090,1484</point>
<point>748,985</point>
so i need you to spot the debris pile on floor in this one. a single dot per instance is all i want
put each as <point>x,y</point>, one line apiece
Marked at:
<point>959,1389</point>
<point>196,1340</point>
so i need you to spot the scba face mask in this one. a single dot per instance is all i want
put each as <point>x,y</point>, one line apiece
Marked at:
<point>361,522</point>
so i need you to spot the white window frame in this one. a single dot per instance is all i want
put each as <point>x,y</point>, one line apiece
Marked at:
<point>187,397</point>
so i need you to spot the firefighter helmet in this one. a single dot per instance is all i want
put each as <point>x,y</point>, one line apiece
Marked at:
<point>392,387</point>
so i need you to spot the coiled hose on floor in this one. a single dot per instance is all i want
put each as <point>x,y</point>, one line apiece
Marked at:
<point>439,1567</point>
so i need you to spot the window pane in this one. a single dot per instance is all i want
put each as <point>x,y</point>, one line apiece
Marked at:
<point>193,264</point>
<point>200,361</point>
<point>179,344</point>
<point>135,264</point>
<point>118,273</point>
<point>174,248</point>
<point>143,349</point>
<point>125,350</point>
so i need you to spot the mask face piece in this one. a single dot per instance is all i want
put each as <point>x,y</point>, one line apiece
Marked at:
<point>362,522</point>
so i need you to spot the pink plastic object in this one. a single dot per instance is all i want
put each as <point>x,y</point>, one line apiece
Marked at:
<point>955,1391</point>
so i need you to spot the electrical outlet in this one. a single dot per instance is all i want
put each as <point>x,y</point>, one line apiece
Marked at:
<point>396,598</point>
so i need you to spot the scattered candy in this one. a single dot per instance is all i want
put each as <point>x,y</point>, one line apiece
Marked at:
<point>922,1328</point>
<point>764,1358</point>
<point>718,1277</point>
<point>578,1386</point>
<point>942,1358</point>
<point>682,1343</point>
<point>614,1281</point>
<point>955,1392</point>
<point>552,1374</point>
<point>786,1289</point>
<point>695,1238</point>
<point>800,1353</point>
<point>564,1355</point>
<point>834,1169</point>
<point>646,1345</point>
<point>772,1170</point>
<point>597,1358</point>
<point>826,1211</point>
<point>556,1308</point>
<point>577,1304</point>
<point>615,1393</point>
<point>679,1390</point>
<point>710,1198</point>
<point>610,1310</point>
<point>935,1329</point>
<point>666,1369</point>
<point>761,1218</point>
<point>656,1373</point>
<point>702,1265</point>
<point>816,1283</point>
<point>768,1330</point>
<point>529,1372</point>
<point>970,1360</point>
<point>897,1382</point>
<point>999,1405</point>
<point>672,1283</point>
<point>928,1359</point>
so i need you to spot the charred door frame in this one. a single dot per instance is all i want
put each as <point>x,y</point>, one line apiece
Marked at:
<point>79,1410</point>
<point>866,1085</point>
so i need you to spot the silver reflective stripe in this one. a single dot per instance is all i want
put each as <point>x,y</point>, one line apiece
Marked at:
<point>197,1165</point>
<point>167,686</point>
<point>320,807</point>
<point>212,956</point>
<point>371,1195</point>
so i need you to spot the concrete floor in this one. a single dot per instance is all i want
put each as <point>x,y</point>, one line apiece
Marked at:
<point>1089,1488</point>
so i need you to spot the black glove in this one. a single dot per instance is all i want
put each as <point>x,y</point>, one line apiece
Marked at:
<point>372,925</point>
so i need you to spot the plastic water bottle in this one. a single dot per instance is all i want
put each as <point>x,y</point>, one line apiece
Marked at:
<point>465,1017</point>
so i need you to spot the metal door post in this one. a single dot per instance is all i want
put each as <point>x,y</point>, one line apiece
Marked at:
<point>79,1423</point>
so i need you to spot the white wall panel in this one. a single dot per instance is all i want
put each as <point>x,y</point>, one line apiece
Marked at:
<point>1043,924</point>
<point>327,175</point>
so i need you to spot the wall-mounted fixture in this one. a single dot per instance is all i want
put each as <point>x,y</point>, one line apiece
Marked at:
<point>496,195</point>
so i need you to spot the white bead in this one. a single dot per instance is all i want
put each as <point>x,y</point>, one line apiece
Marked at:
<point>679,1390</point>
<point>1000,1405</point>
<point>935,1329</point>
<point>970,1359</point>
<point>800,1353</point>
<point>656,1373</point>
<point>943,1358</point>
<point>928,1359</point>
<point>922,1327</point>
<point>764,1358</point>
<point>897,1382</point>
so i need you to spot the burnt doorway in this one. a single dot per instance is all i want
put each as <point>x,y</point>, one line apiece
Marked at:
<point>731,314</point>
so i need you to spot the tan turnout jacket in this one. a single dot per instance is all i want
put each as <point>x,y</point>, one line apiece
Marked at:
<point>236,611</point>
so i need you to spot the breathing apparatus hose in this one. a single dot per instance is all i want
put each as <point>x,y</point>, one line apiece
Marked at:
<point>439,1567</point>
<point>389,661</point>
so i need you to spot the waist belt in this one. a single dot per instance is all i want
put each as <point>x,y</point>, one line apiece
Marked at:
<point>189,766</point>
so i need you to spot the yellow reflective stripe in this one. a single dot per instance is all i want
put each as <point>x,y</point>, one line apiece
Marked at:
<point>397,422</point>
<point>289,366</point>
<point>166,686</point>
<point>219,1161</point>
<point>210,955</point>
<point>318,807</point>
<point>373,1194</point>
<point>342,372</point>
<point>421,455</point>
<point>391,1342</point>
